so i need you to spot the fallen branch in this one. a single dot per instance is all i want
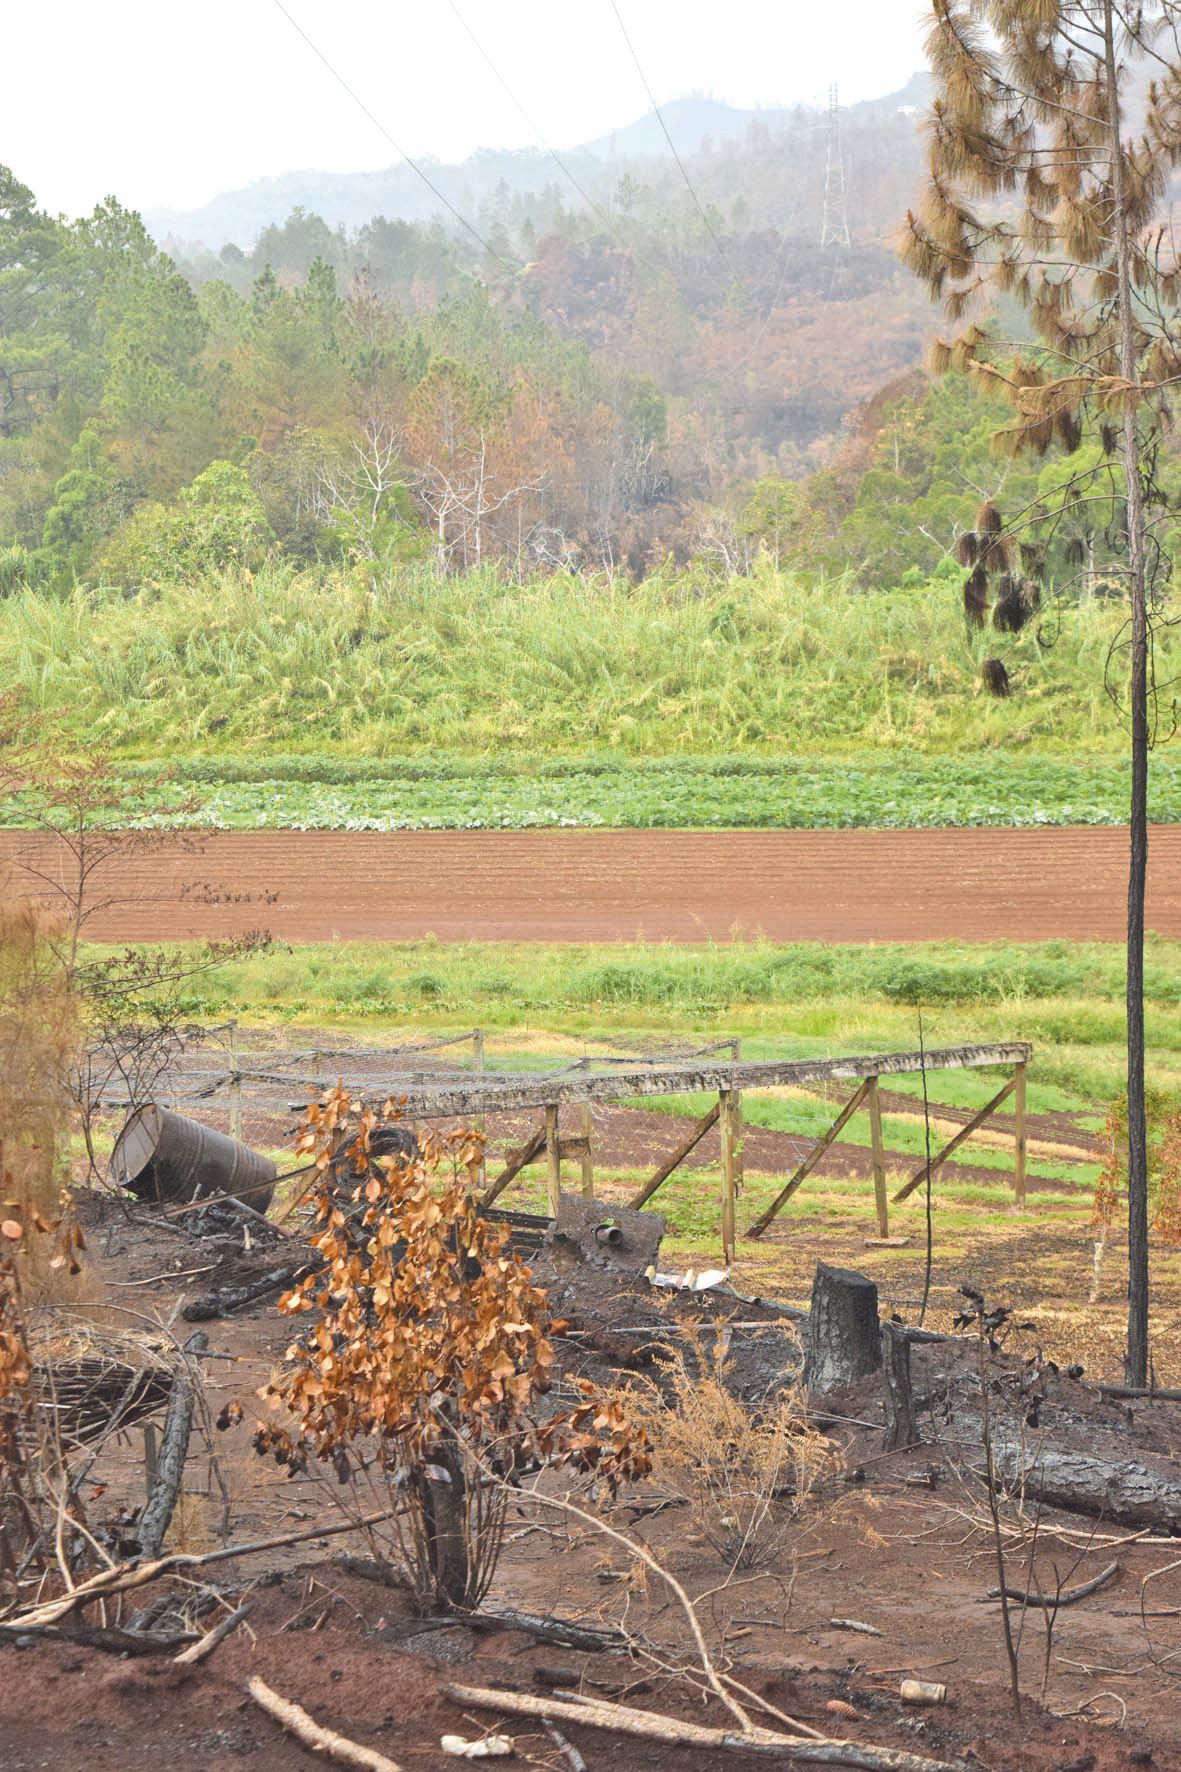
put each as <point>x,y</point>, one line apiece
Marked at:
<point>225,1300</point>
<point>321,1741</point>
<point>209,1642</point>
<point>596,1713</point>
<point>560,1631</point>
<point>1145,1392</point>
<point>125,1576</point>
<point>93,1636</point>
<point>1052,1602</point>
<point>568,1752</point>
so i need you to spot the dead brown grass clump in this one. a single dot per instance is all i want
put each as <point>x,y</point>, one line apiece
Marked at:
<point>747,1472</point>
<point>38,1041</point>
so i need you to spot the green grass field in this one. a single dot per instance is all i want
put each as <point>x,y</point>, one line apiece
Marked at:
<point>782,1000</point>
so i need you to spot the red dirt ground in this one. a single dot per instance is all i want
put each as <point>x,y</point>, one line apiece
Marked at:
<point>1025,885</point>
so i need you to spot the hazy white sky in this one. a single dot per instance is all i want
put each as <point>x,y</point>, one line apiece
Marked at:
<point>165,103</point>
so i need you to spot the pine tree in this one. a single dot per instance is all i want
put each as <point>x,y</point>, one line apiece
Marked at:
<point>1054,129</point>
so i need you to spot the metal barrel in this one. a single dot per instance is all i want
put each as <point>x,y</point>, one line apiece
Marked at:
<point>161,1155</point>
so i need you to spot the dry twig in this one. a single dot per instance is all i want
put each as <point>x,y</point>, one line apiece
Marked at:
<point>321,1741</point>
<point>598,1713</point>
<point>209,1642</point>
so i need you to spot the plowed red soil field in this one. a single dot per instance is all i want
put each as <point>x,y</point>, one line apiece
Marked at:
<point>1027,885</point>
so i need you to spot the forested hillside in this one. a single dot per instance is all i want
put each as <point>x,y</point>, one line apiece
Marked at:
<point>599,389</point>
<point>598,375</point>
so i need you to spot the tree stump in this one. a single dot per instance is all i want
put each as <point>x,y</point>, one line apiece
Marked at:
<point>900,1422</point>
<point>844,1338</point>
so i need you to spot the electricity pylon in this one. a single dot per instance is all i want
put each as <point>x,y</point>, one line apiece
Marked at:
<point>834,227</point>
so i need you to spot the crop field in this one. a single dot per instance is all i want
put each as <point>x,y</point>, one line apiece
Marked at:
<point>906,790</point>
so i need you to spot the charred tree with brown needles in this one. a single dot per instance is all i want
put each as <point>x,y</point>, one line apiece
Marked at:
<point>1053,132</point>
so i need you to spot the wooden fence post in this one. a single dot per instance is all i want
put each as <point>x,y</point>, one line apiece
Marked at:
<point>730,1124</point>
<point>479,1065</point>
<point>739,1136</point>
<point>645,1193</point>
<point>235,1086</point>
<point>814,1155</point>
<point>1019,1116</point>
<point>553,1154</point>
<point>588,1158</point>
<point>879,1158</point>
<point>953,1144</point>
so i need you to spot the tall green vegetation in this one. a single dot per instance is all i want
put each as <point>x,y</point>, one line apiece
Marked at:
<point>1042,189</point>
<point>364,665</point>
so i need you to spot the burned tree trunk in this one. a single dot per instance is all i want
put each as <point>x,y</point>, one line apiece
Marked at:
<point>1126,1491</point>
<point>174,1450</point>
<point>900,1422</point>
<point>448,1532</point>
<point>844,1338</point>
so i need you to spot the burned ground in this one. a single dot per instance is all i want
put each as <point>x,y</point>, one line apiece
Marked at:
<point>899,1543</point>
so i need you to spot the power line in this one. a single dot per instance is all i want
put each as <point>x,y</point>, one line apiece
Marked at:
<point>531,121</point>
<point>689,186</point>
<point>398,149</point>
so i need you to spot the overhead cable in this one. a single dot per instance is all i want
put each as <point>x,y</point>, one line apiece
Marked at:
<point>531,121</point>
<point>397,147</point>
<point>689,185</point>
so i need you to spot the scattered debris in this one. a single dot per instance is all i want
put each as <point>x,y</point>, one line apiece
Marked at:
<point>487,1747</point>
<point>223,1301</point>
<point>922,1692</point>
<point>690,1280</point>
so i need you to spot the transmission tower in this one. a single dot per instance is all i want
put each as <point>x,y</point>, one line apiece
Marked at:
<point>834,228</point>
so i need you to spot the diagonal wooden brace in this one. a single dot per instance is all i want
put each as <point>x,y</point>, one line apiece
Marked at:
<point>678,1157</point>
<point>809,1163</point>
<point>954,1144</point>
<point>530,1150</point>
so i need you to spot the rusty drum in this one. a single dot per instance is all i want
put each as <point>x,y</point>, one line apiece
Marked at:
<point>162,1155</point>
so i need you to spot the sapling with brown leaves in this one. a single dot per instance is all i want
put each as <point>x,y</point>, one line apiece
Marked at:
<point>424,1356</point>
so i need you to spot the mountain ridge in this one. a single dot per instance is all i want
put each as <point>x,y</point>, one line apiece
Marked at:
<point>350,199</point>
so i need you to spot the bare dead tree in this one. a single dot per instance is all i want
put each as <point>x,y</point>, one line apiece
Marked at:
<point>462,499</point>
<point>357,492</point>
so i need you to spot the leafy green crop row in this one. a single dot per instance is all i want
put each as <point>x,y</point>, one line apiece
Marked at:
<point>435,792</point>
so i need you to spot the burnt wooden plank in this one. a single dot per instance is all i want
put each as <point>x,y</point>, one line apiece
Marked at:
<point>508,1093</point>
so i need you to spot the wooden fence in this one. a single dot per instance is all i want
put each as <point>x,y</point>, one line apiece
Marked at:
<point>430,1087</point>
<point>511,1092</point>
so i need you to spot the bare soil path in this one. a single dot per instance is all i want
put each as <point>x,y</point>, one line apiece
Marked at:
<point>685,886</point>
